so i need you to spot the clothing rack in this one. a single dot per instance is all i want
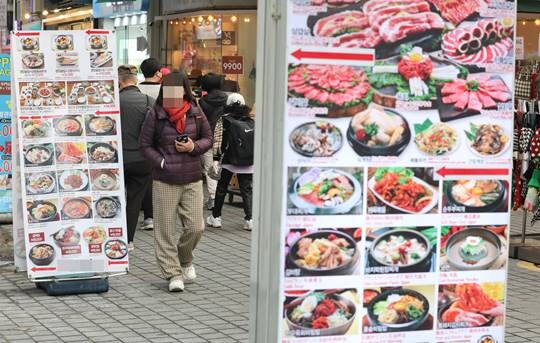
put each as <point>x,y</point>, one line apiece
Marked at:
<point>526,246</point>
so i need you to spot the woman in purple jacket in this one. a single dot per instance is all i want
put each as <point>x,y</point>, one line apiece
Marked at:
<point>174,136</point>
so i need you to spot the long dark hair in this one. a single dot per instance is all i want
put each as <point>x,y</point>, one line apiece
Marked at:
<point>176,78</point>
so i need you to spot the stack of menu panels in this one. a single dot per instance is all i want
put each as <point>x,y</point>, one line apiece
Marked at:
<point>69,141</point>
<point>398,124</point>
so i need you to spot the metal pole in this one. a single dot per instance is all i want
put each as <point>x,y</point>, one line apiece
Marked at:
<point>523,227</point>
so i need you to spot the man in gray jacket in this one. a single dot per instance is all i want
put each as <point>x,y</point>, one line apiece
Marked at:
<point>137,172</point>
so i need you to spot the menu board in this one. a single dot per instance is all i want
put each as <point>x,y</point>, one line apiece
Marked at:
<point>70,150</point>
<point>398,126</point>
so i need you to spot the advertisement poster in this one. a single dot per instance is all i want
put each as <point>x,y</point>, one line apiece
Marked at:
<point>398,127</point>
<point>5,134</point>
<point>70,151</point>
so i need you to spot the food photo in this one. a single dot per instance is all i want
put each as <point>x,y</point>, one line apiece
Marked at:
<point>316,139</point>
<point>475,196</point>
<point>324,191</point>
<point>38,155</point>
<point>435,139</point>
<point>73,180</point>
<point>431,27</point>
<point>377,131</point>
<point>42,211</point>
<point>340,91</point>
<point>94,235</point>
<point>36,128</point>
<point>487,140</point>
<point>29,43</point>
<point>67,60</point>
<point>41,183</point>
<point>470,248</point>
<point>103,152</point>
<point>62,42</point>
<point>330,312</point>
<point>69,125</point>
<point>35,94</point>
<point>469,305</point>
<point>107,207</point>
<point>42,254</point>
<point>105,179</point>
<point>322,252</point>
<point>90,92</point>
<point>97,42</point>
<point>101,59</point>
<point>70,152</point>
<point>116,249</point>
<point>33,60</point>
<point>100,125</point>
<point>66,237</point>
<point>76,208</point>
<point>398,309</point>
<point>398,190</point>
<point>401,250</point>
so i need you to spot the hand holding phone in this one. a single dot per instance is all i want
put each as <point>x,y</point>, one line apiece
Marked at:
<point>183,138</point>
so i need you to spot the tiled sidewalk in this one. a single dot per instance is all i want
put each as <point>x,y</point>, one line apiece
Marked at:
<point>138,307</point>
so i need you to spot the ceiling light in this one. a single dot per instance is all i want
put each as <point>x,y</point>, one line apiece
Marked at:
<point>142,20</point>
<point>45,13</point>
<point>537,22</point>
<point>210,18</point>
<point>523,22</point>
<point>234,19</point>
<point>193,19</point>
<point>27,16</point>
<point>116,21</point>
<point>184,22</point>
<point>134,20</point>
<point>125,21</point>
<point>247,20</point>
<point>200,19</point>
<point>56,10</point>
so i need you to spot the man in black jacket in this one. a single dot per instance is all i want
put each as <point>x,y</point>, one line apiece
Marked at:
<point>137,171</point>
<point>212,105</point>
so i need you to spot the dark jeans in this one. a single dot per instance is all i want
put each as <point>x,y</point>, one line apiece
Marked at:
<point>147,203</point>
<point>137,176</point>
<point>246,190</point>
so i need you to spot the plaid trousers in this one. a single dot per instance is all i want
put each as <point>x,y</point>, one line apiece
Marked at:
<point>170,203</point>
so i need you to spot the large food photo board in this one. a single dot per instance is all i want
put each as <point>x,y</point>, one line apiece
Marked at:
<point>398,124</point>
<point>70,146</point>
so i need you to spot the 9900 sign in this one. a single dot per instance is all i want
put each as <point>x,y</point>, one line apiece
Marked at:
<point>233,64</point>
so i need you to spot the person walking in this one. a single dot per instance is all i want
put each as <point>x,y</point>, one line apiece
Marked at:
<point>152,72</point>
<point>234,144</point>
<point>174,136</point>
<point>212,105</point>
<point>137,171</point>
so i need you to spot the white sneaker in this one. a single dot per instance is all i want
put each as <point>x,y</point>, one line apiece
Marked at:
<point>176,284</point>
<point>248,225</point>
<point>189,273</point>
<point>148,224</point>
<point>213,222</point>
<point>131,247</point>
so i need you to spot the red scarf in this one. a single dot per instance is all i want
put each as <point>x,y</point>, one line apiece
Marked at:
<point>177,116</point>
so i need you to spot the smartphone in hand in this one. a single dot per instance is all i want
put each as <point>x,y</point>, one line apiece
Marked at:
<point>183,138</point>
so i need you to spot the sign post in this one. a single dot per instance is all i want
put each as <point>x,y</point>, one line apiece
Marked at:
<point>70,149</point>
<point>383,205</point>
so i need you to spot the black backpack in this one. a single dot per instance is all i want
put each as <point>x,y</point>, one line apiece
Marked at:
<point>240,139</point>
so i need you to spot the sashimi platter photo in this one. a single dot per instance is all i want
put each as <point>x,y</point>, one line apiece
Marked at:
<point>398,156</point>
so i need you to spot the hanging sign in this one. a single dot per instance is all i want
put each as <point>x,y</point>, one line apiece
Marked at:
<point>520,48</point>
<point>398,157</point>
<point>70,149</point>
<point>233,65</point>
